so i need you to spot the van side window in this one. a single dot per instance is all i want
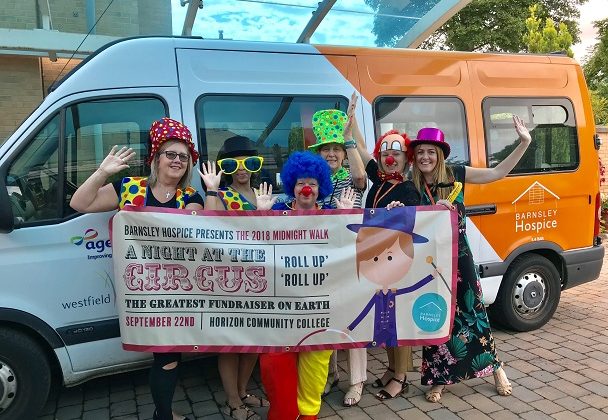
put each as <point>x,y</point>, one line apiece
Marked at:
<point>551,123</point>
<point>32,180</point>
<point>410,114</point>
<point>43,177</point>
<point>92,128</point>
<point>279,125</point>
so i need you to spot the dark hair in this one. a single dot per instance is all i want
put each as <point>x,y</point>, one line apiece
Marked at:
<point>236,146</point>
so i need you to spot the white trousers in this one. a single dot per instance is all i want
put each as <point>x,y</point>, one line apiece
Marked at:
<point>357,365</point>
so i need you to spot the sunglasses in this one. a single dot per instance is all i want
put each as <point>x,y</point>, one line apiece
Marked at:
<point>251,164</point>
<point>172,155</point>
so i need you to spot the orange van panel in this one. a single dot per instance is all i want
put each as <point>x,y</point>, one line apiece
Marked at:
<point>556,207</point>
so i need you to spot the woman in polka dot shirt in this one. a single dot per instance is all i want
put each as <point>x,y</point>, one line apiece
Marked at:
<point>171,158</point>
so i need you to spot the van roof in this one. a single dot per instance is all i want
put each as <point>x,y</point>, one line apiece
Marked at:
<point>151,61</point>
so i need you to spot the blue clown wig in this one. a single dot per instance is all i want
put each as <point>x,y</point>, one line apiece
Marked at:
<point>306,165</point>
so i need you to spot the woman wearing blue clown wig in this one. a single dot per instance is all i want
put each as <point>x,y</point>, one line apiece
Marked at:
<point>305,169</point>
<point>294,382</point>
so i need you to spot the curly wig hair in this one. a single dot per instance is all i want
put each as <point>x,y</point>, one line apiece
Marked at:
<point>409,152</point>
<point>306,165</point>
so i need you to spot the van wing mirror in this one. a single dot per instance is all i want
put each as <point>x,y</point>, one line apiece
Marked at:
<point>7,222</point>
<point>597,141</point>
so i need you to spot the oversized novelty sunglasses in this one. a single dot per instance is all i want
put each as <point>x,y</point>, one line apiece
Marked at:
<point>172,155</point>
<point>231,165</point>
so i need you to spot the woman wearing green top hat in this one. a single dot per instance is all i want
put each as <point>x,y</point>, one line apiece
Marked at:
<point>335,145</point>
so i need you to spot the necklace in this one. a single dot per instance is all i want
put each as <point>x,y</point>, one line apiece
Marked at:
<point>168,194</point>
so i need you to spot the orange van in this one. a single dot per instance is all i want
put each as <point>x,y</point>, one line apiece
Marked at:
<point>535,232</point>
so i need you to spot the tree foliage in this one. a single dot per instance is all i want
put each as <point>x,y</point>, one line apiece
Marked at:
<point>599,104</point>
<point>596,65</point>
<point>483,25</point>
<point>548,38</point>
<point>596,73</point>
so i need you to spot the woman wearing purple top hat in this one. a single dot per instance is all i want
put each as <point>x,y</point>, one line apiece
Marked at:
<point>470,352</point>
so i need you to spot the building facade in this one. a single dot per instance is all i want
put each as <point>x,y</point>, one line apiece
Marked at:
<point>38,37</point>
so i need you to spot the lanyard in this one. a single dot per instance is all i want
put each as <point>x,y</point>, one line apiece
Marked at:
<point>428,192</point>
<point>377,199</point>
<point>333,191</point>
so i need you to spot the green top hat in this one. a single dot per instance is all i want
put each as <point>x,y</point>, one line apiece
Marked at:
<point>328,126</point>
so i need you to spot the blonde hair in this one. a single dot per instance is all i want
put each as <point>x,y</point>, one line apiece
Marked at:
<point>442,174</point>
<point>184,182</point>
<point>372,241</point>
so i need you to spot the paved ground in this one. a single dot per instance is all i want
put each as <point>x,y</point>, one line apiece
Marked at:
<point>558,372</point>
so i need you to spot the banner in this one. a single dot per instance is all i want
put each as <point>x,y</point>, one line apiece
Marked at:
<point>273,281</point>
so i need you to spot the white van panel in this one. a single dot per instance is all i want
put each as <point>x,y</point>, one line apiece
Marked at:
<point>150,63</point>
<point>483,252</point>
<point>100,358</point>
<point>301,71</point>
<point>63,283</point>
<point>58,274</point>
<point>490,287</point>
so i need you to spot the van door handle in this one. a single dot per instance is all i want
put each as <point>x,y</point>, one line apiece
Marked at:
<point>480,209</point>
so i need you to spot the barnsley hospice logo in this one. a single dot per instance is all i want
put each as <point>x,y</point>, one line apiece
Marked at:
<point>99,246</point>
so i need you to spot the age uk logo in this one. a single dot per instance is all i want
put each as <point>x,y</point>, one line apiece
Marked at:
<point>88,239</point>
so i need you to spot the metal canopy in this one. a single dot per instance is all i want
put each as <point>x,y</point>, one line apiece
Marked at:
<point>397,23</point>
<point>193,6</point>
<point>315,20</point>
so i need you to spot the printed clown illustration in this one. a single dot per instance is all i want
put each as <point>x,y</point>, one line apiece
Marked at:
<point>385,253</point>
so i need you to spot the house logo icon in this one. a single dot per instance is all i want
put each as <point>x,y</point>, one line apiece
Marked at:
<point>430,312</point>
<point>535,194</point>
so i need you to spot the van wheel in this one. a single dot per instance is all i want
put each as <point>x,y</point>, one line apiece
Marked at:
<point>528,295</point>
<point>25,376</point>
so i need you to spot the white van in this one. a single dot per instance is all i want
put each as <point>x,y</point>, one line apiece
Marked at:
<point>57,300</point>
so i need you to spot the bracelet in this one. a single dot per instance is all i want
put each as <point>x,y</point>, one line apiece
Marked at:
<point>350,144</point>
<point>211,193</point>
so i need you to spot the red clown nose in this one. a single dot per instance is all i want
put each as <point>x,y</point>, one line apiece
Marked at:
<point>389,160</point>
<point>306,191</point>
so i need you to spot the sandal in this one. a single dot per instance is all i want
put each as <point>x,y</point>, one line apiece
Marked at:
<point>503,386</point>
<point>384,395</point>
<point>240,413</point>
<point>330,385</point>
<point>378,382</point>
<point>255,401</point>
<point>434,394</point>
<point>353,395</point>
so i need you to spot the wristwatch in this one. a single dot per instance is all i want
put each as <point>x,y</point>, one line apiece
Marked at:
<point>211,193</point>
<point>350,144</point>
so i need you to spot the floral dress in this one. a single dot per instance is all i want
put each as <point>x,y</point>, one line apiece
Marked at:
<point>470,351</point>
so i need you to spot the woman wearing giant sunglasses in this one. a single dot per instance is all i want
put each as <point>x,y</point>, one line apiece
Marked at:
<point>237,161</point>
